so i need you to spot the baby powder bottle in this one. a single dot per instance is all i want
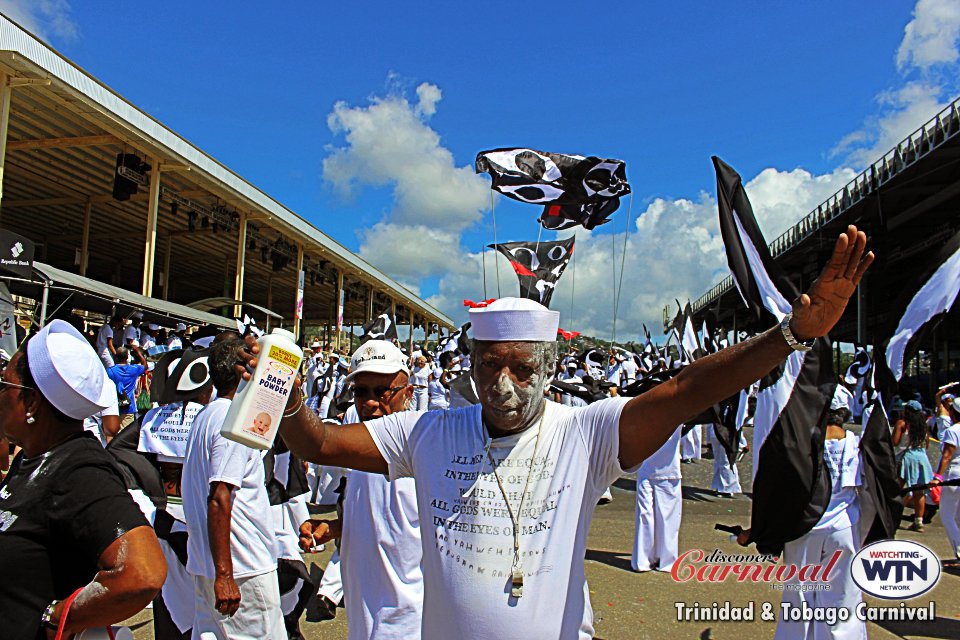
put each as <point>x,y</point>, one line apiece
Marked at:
<point>254,415</point>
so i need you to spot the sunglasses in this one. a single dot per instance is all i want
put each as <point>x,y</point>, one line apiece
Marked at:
<point>377,393</point>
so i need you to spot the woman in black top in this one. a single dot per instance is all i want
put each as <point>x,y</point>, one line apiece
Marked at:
<point>66,521</point>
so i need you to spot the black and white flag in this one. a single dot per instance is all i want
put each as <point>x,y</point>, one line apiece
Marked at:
<point>791,487</point>
<point>538,265</point>
<point>859,366</point>
<point>380,328</point>
<point>457,342</point>
<point>689,339</point>
<point>881,506</point>
<point>557,217</point>
<point>927,299</point>
<point>540,177</point>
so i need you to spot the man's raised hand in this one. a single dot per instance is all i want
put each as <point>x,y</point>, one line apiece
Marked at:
<point>817,311</point>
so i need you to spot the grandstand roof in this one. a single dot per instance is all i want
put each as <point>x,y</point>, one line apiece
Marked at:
<point>65,131</point>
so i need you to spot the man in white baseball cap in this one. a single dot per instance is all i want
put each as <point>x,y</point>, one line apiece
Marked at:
<point>380,546</point>
<point>508,487</point>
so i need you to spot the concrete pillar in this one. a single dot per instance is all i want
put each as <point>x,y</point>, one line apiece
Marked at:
<point>5,92</point>
<point>150,246</point>
<point>241,263</point>
<point>166,267</point>
<point>338,306</point>
<point>862,312</point>
<point>298,292</point>
<point>85,238</point>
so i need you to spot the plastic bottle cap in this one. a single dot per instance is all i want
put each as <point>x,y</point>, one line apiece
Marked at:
<point>283,333</point>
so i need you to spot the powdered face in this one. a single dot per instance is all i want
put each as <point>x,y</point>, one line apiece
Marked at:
<point>511,378</point>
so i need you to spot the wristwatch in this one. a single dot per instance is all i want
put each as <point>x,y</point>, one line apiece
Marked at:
<point>47,616</point>
<point>795,344</point>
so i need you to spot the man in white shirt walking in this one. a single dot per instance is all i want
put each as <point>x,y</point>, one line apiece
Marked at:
<point>231,537</point>
<point>380,548</point>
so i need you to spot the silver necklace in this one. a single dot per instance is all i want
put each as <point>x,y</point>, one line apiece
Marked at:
<point>516,568</point>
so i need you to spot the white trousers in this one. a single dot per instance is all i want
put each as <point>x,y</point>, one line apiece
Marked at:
<point>325,482</point>
<point>420,399</point>
<point>815,548</point>
<point>258,618</point>
<point>725,479</point>
<point>691,444</point>
<point>657,542</point>
<point>178,590</point>
<point>331,585</point>
<point>950,516</point>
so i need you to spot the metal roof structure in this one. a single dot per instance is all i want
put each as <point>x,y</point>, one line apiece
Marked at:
<point>194,229</point>
<point>908,202</point>
<point>66,290</point>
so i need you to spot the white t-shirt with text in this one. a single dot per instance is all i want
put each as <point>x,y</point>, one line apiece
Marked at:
<point>380,555</point>
<point>466,527</point>
<point>213,458</point>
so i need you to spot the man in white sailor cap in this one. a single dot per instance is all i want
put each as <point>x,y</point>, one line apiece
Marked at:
<point>148,338</point>
<point>380,547</point>
<point>132,331</point>
<point>506,488</point>
<point>175,341</point>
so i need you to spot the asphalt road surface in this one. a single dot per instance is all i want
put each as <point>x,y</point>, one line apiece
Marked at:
<point>639,606</point>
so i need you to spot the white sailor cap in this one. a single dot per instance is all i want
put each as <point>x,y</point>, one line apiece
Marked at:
<point>153,327</point>
<point>514,319</point>
<point>181,326</point>
<point>68,371</point>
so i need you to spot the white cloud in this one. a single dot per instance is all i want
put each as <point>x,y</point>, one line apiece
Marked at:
<point>927,60</point>
<point>931,37</point>
<point>46,19</point>
<point>390,144</point>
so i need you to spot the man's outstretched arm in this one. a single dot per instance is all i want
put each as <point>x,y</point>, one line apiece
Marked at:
<point>309,438</point>
<point>649,419</point>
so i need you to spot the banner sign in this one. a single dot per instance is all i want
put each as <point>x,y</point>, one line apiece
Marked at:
<point>165,429</point>
<point>298,312</point>
<point>16,253</point>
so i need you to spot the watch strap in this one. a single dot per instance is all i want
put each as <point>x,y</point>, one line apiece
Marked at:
<point>795,344</point>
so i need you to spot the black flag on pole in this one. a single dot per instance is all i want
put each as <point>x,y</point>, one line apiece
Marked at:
<point>380,328</point>
<point>557,217</point>
<point>538,265</point>
<point>881,479</point>
<point>791,487</point>
<point>924,302</point>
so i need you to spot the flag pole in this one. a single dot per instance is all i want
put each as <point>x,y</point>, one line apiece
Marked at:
<point>623,261</point>
<point>496,263</point>
<point>573,282</point>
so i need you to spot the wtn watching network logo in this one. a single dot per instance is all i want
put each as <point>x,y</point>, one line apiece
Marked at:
<point>895,569</point>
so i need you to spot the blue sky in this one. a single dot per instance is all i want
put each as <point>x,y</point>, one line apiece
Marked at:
<point>365,118</point>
